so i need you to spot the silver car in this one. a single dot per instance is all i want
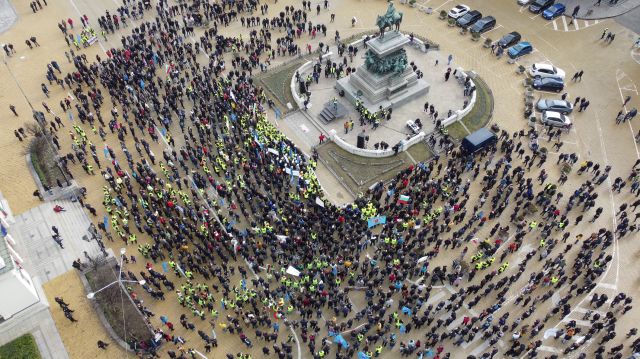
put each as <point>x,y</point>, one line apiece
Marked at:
<point>523,2</point>
<point>556,119</point>
<point>562,106</point>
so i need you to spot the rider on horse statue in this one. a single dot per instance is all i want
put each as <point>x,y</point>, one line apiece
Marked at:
<point>389,19</point>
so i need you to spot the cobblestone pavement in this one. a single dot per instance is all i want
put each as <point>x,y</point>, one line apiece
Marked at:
<point>610,74</point>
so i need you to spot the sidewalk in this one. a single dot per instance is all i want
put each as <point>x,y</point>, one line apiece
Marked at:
<point>52,274</point>
<point>603,11</point>
<point>8,15</point>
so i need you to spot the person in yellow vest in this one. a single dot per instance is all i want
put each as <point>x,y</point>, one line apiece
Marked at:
<point>378,350</point>
<point>503,267</point>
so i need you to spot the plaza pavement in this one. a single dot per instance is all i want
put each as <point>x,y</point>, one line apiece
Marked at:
<point>609,74</point>
<point>444,95</point>
<point>590,11</point>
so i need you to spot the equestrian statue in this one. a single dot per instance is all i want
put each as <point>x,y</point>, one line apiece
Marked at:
<point>391,19</point>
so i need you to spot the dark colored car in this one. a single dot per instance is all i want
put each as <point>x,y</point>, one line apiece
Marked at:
<point>485,24</point>
<point>478,141</point>
<point>548,84</point>
<point>509,39</point>
<point>520,49</point>
<point>469,18</point>
<point>539,6</point>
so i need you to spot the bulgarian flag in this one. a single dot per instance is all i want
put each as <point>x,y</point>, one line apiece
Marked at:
<point>403,199</point>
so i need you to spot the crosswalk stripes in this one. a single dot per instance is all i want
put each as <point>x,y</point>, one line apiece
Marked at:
<point>545,348</point>
<point>564,23</point>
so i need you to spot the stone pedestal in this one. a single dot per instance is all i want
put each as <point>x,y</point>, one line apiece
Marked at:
<point>386,89</point>
<point>332,111</point>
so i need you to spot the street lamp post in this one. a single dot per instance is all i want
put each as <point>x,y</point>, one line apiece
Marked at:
<point>92,295</point>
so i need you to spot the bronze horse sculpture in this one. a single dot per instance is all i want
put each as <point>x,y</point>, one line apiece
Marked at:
<point>391,18</point>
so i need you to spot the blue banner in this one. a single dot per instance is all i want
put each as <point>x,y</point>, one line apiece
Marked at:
<point>341,341</point>
<point>374,221</point>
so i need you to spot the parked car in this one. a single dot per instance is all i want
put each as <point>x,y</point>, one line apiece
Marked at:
<point>548,84</point>
<point>523,2</point>
<point>562,106</point>
<point>509,39</point>
<point>554,11</point>
<point>478,141</point>
<point>520,49</point>
<point>469,18</point>
<point>546,70</point>
<point>485,24</point>
<point>538,6</point>
<point>458,11</point>
<point>555,119</point>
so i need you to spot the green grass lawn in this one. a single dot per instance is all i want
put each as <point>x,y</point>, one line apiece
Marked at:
<point>278,83</point>
<point>479,115</point>
<point>24,347</point>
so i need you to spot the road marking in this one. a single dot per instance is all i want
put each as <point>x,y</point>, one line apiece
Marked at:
<point>446,2</point>
<point>436,297</point>
<point>533,17</point>
<point>635,54</point>
<point>575,24</point>
<point>564,23</point>
<point>480,348</point>
<point>549,349</point>
<point>584,323</point>
<point>619,76</point>
<point>81,14</point>
<point>608,286</point>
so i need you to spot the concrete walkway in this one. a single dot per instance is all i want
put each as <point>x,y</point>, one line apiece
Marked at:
<point>602,11</point>
<point>8,15</point>
<point>44,261</point>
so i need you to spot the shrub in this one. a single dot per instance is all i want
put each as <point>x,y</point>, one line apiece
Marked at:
<point>116,305</point>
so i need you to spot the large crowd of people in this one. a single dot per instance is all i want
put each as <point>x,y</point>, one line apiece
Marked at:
<point>258,256</point>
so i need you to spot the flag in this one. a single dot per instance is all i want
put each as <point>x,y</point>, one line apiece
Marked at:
<point>374,221</point>
<point>404,199</point>
<point>106,223</point>
<point>164,267</point>
<point>362,355</point>
<point>406,310</point>
<point>339,339</point>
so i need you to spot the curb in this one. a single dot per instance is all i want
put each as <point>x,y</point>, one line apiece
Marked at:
<point>608,17</point>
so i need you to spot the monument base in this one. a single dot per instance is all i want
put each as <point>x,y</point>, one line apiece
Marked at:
<point>391,90</point>
<point>332,111</point>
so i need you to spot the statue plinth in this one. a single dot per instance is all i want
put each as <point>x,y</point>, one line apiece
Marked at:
<point>385,79</point>
<point>391,42</point>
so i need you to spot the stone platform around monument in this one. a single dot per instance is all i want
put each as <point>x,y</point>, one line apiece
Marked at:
<point>391,89</point>
<point>333,111</point>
